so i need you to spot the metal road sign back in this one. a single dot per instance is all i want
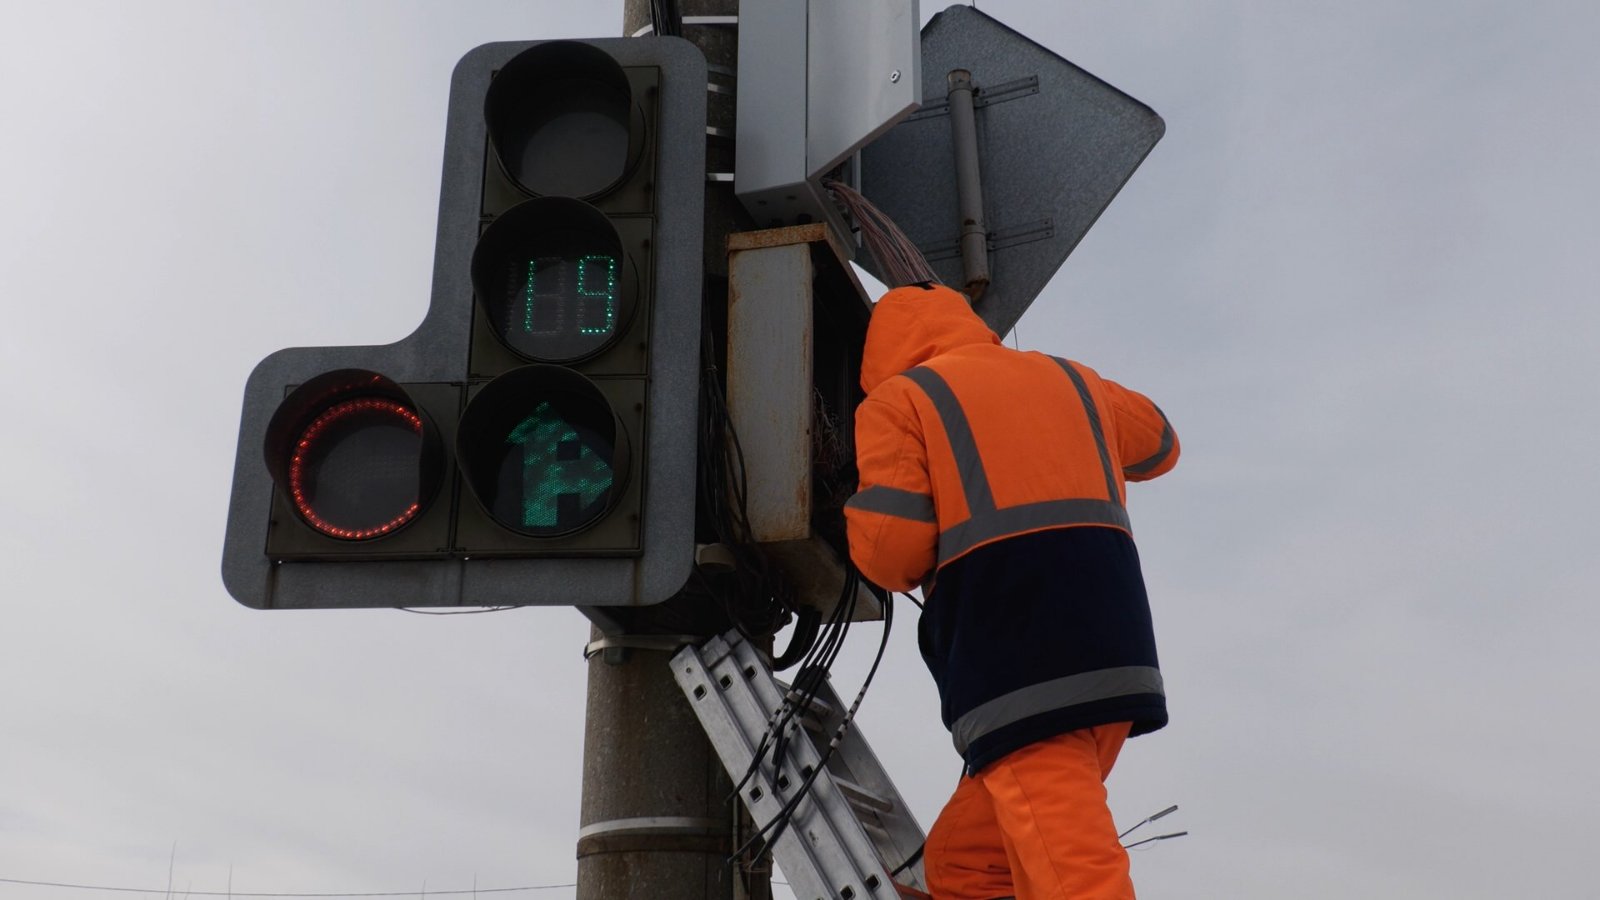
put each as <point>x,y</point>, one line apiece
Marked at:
<point>1055,145</point>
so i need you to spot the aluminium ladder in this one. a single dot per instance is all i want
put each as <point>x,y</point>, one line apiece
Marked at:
<point>852,830</point>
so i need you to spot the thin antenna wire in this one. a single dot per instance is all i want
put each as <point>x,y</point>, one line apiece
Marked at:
<point>1159,837</point>
<point>1148,819</point>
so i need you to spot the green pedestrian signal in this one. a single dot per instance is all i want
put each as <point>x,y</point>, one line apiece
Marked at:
<point>562,475</point>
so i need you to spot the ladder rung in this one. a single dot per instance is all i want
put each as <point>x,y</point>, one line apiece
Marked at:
<point>816,715</point>
<point>861,797</point>
<point>821,706</point>
<point>854,828</point>
<point>876,831</point>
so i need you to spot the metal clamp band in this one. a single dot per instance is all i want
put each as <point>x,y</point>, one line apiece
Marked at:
<point>666,643</point>
<point>655,834</point>
<point>654,825</point>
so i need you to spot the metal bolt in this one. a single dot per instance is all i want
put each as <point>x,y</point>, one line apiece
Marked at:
<point>894,77</point>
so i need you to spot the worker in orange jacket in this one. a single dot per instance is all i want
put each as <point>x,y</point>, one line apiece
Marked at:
<point>995,480</point>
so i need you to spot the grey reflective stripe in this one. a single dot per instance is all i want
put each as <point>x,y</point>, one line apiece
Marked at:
<point>985,522</point>
<point>1058,693</point>
<point>1160,456</point>
<point>1029,517</point>
<point>974,480</point>
<point>894,502</point>
<point>1094,426</point>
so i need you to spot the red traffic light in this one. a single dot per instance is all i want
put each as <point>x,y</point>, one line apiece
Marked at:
<point>354,456</point>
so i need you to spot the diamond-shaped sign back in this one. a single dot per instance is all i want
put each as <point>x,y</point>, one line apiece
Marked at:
<point>1055,144</point>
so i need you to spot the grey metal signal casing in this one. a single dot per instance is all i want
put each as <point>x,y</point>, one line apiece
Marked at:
<point>1055,146</point>
<point>438,352</point>
<point>818,79</point>
<point>853,829</point>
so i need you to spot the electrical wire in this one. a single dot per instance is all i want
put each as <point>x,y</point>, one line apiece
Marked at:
<point>761,600</point>
<point>797,698</point>
<point>807,623</point>
<point>814,671</point>
<point>800,698</point>
<point>899,261</point>
<point>665,18</point>
<point>786,816</point>
<point>910,860</point>
<point>1150,840</point>
<point>1147,820</point>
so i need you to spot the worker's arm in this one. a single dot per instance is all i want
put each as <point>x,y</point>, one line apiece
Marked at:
<point>1146,443</point>
<point>891,522</point>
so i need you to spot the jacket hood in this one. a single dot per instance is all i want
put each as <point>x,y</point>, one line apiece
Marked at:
<point>912,325</point>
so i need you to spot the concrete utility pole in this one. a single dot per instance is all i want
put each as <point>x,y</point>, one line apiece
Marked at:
<point>656,819</point>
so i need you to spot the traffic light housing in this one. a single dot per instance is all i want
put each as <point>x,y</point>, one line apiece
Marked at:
<point>534,441</point>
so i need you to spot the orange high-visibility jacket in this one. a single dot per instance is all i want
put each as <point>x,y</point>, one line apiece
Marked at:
<point>996,478</point>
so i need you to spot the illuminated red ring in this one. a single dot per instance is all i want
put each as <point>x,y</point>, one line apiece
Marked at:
<point>308,439</point>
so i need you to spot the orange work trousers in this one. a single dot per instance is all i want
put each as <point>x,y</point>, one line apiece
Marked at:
<point>1034,825</point>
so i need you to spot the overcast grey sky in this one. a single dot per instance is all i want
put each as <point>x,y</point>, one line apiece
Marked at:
<point>1359,273</point>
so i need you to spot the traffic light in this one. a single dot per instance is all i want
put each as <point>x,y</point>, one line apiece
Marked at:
<point>534,441</point>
